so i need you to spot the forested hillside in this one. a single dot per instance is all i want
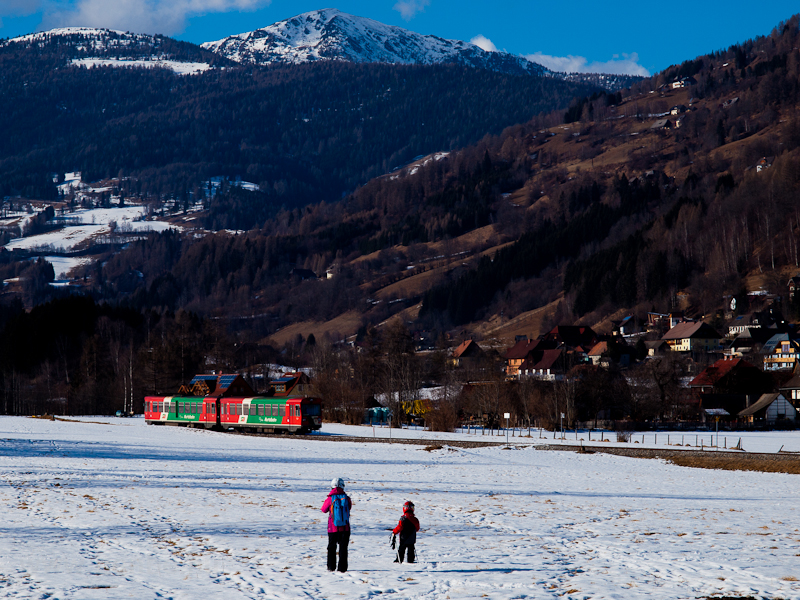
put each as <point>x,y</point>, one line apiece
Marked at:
<point>676,194</point>
<point>606,211</point>
<point>302,133</point>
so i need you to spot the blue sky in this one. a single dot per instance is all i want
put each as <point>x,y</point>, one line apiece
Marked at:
<point>635,37</point>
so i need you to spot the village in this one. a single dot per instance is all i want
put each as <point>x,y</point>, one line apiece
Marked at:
<point>668,371</point>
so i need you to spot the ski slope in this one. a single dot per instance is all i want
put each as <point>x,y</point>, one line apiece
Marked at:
<point>116,509</point>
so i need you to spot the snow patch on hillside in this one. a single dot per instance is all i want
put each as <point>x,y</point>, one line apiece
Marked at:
<point>178,67</point>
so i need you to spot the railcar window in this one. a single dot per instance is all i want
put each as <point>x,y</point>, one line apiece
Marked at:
<point>260,410</point>
<point>283,410</point>
<point>254,409</point>
<point>312,410</point>
<point>273,409</point>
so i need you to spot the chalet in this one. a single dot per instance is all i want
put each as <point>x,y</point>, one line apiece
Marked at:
<point>685,82</point>
<point>753,320</point>
<point>764,163</point>
<point>793,285</point>
<point>662,124</point>
<point>768,410</point>
<point>663,322</point>
<point>656,348</point>
<point>599,355</point>
<point>692,337</point>
<point>522,351</point>
<point>791,390</point>
<point>676,110</point>
<point>730,102</point>
<point>290,385</point>
<point>468,351</point>
<point>572,336</point>
<point>550,366</point>
<point>517,354</point>
<point>749,341</point>
<point>731,383</point>
<point>781,352</point>
<point>217,385</point>
<point>626,326</point>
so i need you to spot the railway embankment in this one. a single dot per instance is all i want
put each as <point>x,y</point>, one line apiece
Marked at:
<point>781,462</point>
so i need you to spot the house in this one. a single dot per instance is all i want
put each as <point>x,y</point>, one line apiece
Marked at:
<point>290,384</point>
<point>764,163</point>
<point>656,348</point>
<point>625,327</point>
<point>750,340</point>
<point>793,285</point>
<point>685,82</point>
<point>572,336</point>
<point>676,110</point>
<point>550,366</point>
<point>596,354</point>
<point>517,354</point>
<point>791,390</point>
<point>780,352</point>
<point>730,102</point>
<point>466,352</point>
<point>753,320</point>
<point>769,409</point>
<point>662,124</point>
<point>692,337</point>
<point>730,383</point>
<point>217,385</point>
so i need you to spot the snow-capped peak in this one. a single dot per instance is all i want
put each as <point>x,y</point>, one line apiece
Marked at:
<point>330,34</point>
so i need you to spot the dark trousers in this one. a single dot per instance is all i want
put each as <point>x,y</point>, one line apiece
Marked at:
<point>341,539</point>
<point>402,551</point>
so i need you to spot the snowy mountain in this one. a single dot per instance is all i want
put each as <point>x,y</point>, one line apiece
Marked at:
<point>330,34</point>
<point>87,46</point>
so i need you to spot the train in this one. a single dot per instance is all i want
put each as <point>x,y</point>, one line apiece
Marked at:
<point>227,402</point>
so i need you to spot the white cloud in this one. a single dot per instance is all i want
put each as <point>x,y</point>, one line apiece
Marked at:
<point>481,41</point>
<point>408,9</point>
<point>628,64</point>
<point>141,16</point>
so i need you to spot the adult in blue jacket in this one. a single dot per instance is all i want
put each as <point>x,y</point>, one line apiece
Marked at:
<point>337,535</point>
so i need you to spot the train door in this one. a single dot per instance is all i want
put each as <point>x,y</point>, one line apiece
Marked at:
<point>217,411</point>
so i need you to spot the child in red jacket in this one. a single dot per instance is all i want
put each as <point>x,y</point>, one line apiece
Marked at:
<point>407,528</point>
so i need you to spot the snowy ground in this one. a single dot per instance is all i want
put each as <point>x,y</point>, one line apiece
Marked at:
<point>751,441</point>
<point>117,509</point>
<point>178,67</point>
<point>94,222</point>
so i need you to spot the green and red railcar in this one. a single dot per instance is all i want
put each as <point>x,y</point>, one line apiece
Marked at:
<point>281,411</point>
<point>260,414</point>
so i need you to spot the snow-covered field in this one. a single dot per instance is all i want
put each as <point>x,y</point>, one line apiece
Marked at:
<point>93,222</point>
<point>752,441</point>
<point>62,265</point>
<point>117,509</point>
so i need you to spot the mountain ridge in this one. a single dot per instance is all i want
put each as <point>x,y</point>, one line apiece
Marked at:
<point>330,34</point>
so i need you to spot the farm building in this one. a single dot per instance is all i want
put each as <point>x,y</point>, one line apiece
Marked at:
<point>770,409</point>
